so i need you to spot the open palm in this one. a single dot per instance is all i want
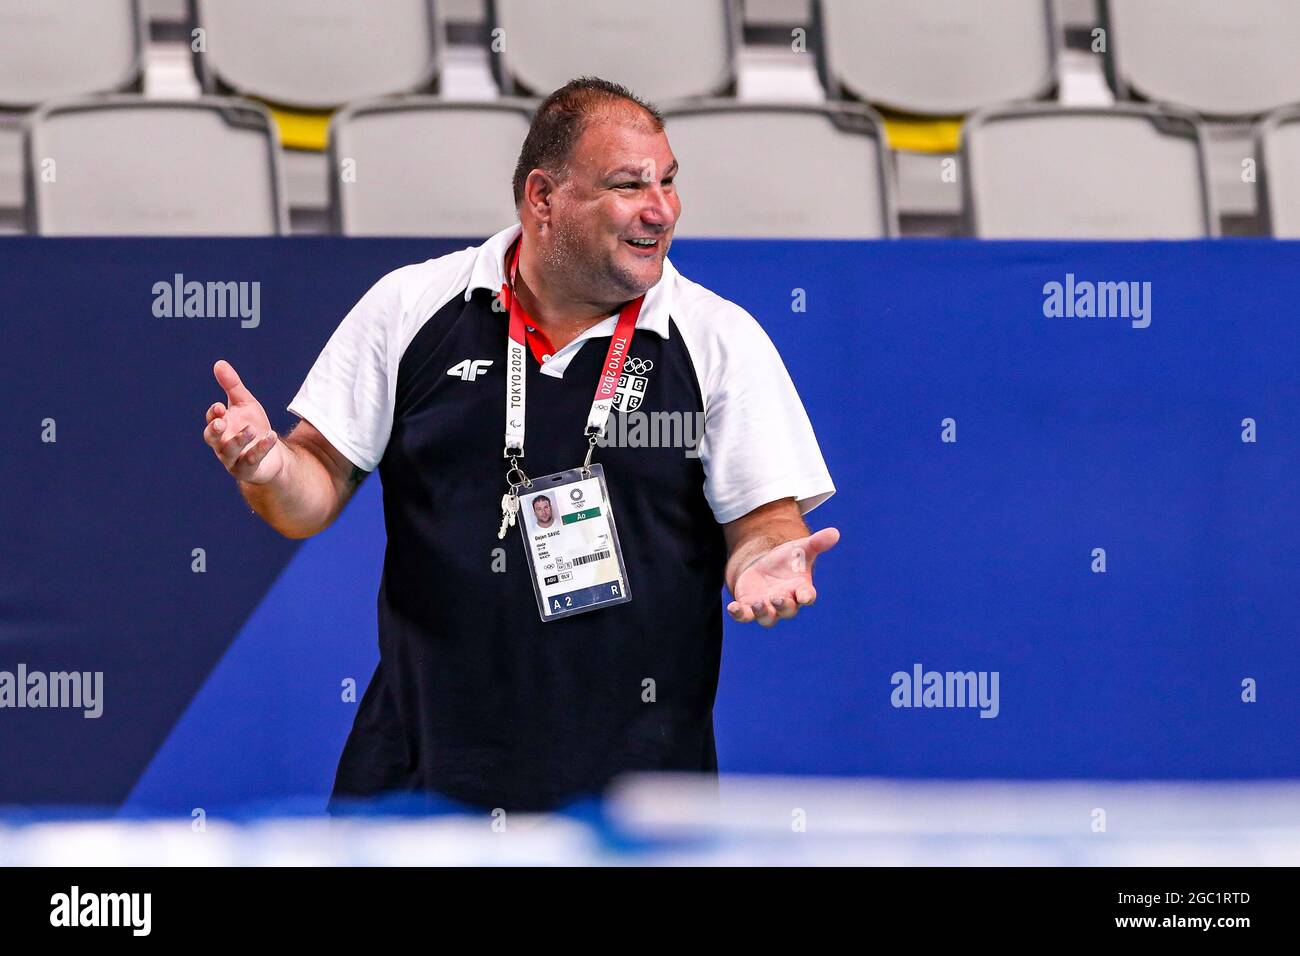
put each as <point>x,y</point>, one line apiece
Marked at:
<point>777,584</point>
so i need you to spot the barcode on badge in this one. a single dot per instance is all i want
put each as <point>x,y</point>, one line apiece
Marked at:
<point>588,558</point>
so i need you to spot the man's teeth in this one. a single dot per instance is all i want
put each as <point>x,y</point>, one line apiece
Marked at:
<point>643,242</point>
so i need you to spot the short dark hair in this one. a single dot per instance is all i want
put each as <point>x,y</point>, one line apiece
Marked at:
<point>561,119</point>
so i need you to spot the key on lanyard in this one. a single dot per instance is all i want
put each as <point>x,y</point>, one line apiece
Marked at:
<point>509,508</point>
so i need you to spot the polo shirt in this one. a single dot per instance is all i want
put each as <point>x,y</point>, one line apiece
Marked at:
<point>476,699</point>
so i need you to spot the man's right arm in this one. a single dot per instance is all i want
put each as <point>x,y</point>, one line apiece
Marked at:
<point>297,485</point>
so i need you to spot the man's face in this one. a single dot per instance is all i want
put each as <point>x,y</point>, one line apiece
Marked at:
<point>542,509</point>
<point>619,188</point>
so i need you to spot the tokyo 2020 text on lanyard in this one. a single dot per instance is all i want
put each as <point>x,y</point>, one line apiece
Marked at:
<point>570,539</point>
<point>517,386</point>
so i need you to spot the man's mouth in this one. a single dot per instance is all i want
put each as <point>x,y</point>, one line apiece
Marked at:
<point>645,246</point>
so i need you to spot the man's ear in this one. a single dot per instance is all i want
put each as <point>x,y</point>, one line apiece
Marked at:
<point>538,188</point>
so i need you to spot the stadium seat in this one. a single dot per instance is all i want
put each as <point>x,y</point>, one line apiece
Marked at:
<point>1223,60</point>
<point>1279,148</point>
<point>1037,171</point>
<point>126,165</point>
<point>924,66</point>
<point>672,49</point>
<point>425,167</point>
<point>307,58</point>
<point>59,48</point>
<point>938,58</point>
<point>1229,62</point>
<point>752,170</point>
<point>318,54</point>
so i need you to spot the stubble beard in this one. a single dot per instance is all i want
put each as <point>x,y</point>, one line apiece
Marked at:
<point>596,277</point>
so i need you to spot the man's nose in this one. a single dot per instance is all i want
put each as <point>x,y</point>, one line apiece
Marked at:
<point>658,209</point>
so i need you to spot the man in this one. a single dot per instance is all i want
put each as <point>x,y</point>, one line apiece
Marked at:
<point>543,512</point>
<point>476,697</point>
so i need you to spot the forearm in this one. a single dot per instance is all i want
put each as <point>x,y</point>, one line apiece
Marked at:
<point>301,500</point>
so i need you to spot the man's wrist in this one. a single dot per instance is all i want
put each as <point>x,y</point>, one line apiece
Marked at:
<point>745,554</point>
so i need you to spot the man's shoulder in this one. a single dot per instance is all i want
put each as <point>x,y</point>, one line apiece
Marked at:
<point>421,286</point>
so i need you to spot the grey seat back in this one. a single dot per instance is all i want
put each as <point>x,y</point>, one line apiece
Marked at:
<point>127,165</point>
<point>318,54</point>
<point>1222,59</point>
<point>1279,147</point>
<point>1129,172</point>
<point>61,48</point>
<point>426,167</point>
<point>782,170</point>
<point>937,57</point>
<point>661,51</point>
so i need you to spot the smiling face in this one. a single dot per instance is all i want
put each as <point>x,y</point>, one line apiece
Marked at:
<point>610,217</point>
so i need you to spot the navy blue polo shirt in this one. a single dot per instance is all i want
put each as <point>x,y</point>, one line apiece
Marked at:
<point>475,698</point>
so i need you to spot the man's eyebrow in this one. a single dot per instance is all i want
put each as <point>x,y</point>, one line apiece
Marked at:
<point>632,170</point>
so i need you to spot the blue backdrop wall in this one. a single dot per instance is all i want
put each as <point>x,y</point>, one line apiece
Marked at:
<point>1072,434</point>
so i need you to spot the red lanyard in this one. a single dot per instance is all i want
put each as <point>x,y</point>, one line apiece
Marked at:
<point>516,377</point>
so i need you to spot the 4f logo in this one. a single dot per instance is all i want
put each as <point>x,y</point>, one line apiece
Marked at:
<point>632,383</point>
<point>469,369</point>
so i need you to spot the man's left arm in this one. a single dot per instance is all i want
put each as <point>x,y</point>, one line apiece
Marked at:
<point>770,557</point>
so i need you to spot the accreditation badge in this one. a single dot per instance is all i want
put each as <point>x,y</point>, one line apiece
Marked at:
<point>573,552</point>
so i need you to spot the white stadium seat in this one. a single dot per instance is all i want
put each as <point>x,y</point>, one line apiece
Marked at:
<point>1279,149</point>
<point>126,165</point>
<point>1227,60</point>
<point>426,167</point>
<point>940,57</point>
<point>318,54</point>
<point>1037,171</point>
<point>666,50</point>
<point>782,170</point>
<point>59,48</point>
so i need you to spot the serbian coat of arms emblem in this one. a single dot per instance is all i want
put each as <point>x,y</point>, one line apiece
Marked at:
<point>632,383</point>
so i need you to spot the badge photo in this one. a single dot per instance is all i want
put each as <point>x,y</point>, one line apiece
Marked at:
<point>574,556</point>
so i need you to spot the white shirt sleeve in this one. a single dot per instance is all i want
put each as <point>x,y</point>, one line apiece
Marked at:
<point>758,444</point>
<point>351,390</point>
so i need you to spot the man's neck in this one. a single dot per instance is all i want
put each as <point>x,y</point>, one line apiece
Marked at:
<point>560,315</point>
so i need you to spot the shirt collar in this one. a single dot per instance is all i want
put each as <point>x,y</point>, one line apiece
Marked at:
<point>488,273</point>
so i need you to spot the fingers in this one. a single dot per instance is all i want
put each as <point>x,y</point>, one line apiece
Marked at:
<point>785,607</point>
<point>216,424</point>
<point>246,464</point>
<point>761,611</point>
<point>775,608</point>
<point>228,447</point>
<point>228,379</point>
<point>212,434</point>
<point>740,613</point>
